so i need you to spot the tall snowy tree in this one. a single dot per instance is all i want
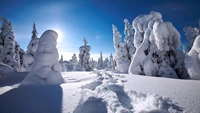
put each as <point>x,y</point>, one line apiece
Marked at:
<point>28,58</point>
<point>84,57</point>
<point>129,39</point>
<point>122,61</point>
<point>8,45</point>
<point>100,64</point>
<point>157,44</point>
<point>17,55</point>
<point>34,31</point>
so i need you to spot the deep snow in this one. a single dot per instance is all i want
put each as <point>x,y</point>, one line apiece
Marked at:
<point>100,92</point>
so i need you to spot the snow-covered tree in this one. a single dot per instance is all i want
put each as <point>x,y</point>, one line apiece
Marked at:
<point>34,31</point>
<point>45,69</point>
<point>93,64</point>
<point>191,34</point>
<point>84,57</point>
<point>106,63</point>
<point>184,49</point>
<point>74,61</point>
<point>157,44</point>
<point>122,61</point>
<point>100,64</point>
<point>62,65</point>
<point>111,62</point>
<point>21,53</point>
<point>129,39</point>
<point>30,53</point>
<point>17,55</point>
<point>192,58</point>
<point>7,55</point>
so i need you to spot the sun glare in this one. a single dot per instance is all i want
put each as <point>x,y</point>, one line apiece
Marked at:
<point>60,35</point>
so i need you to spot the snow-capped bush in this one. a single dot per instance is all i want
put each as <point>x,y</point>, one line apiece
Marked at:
<point>4,69</point>
<point>8,45</point>
<point>129,39</point>
<point>157,43</point>
<point>122,61</point>
<point>84,57</point>
<point>45,69</point>
<point>30,53</point>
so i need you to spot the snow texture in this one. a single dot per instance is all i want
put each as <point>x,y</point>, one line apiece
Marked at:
<point>122,61</point>
<point>45,69</point>
<point>4,69</point>
<point>100,92</point>
<point>157,43</point>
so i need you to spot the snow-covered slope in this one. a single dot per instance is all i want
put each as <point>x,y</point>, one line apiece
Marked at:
<point>100,92</point>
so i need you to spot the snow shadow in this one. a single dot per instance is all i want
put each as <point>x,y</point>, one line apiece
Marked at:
<point>92,105</point>
<point>92,86</point>
<point>37,99</point>
<point>12,78</point>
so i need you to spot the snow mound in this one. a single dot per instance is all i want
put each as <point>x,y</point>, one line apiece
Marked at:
<point>108,95</point>
<point>4,69</point>
<point>45,69</point>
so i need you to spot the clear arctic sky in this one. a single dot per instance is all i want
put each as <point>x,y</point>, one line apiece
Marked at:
<point>92,19</point>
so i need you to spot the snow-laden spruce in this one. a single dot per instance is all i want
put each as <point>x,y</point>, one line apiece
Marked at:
<point>122,61</point>
<point>28,58</point>
<point>84,57</point>
<point>157,44</point>
<point>192,58</point>
<point>45,69</point>
<point>7,45</point>
<point>4,69</point>
<point>129,39</point>
<point>111,62</point>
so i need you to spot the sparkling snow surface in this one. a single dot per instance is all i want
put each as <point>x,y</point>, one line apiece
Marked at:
<point>100,92</point>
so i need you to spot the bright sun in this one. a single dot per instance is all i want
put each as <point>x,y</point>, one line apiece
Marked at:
<point>60,35</point>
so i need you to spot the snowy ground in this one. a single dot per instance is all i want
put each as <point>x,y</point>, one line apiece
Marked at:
<point>100,92</point>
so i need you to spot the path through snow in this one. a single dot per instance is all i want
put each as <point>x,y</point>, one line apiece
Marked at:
<point>107,94</point>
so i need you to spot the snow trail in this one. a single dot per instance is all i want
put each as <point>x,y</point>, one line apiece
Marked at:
<point>107,94</point>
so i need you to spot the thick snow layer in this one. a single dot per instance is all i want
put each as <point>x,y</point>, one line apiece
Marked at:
<point>46,68</point>
<point>101,92</point>
<point>4,69</point>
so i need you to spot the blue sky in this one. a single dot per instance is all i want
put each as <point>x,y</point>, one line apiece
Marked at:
<point>92,19</point>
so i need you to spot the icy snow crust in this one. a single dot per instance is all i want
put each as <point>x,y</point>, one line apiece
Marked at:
<point>101,92</point>
<point>45,68</point>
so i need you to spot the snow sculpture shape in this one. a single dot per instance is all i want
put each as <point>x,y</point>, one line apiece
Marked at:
<point>45,69</point>
<point>157,43</point>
